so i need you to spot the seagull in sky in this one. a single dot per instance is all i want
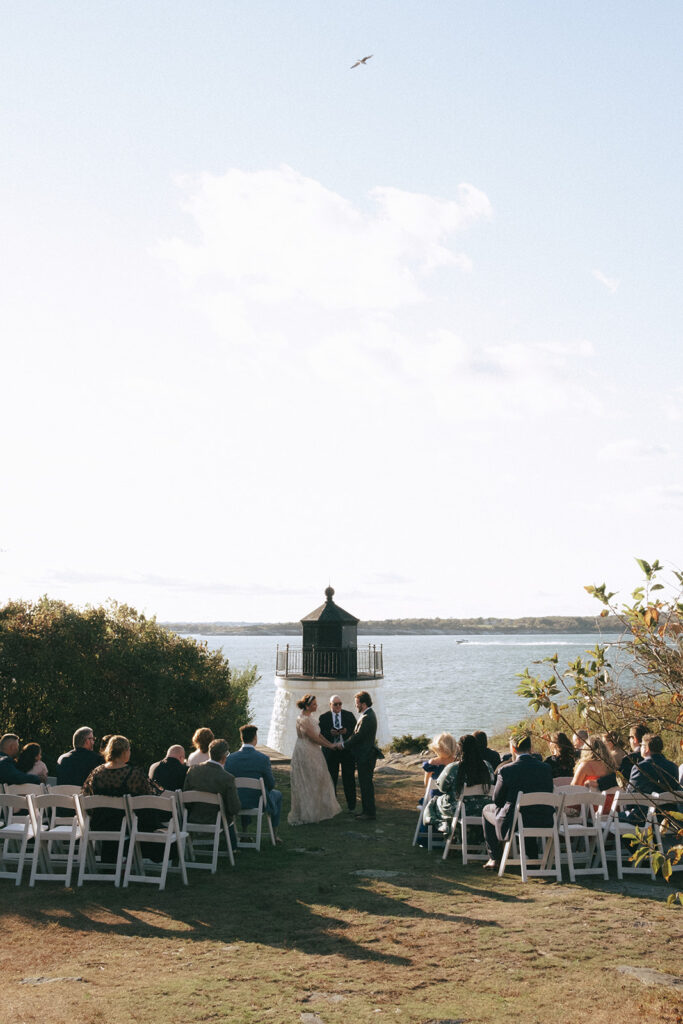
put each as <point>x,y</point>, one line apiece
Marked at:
<point>363,60</point>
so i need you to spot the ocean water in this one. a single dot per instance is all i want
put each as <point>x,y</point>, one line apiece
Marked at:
<point>431,683</point>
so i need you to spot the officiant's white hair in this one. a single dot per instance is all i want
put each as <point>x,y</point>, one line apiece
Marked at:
<point>335,697</point>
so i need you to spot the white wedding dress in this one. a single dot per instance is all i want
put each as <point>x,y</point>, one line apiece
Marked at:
<point>313,796</point>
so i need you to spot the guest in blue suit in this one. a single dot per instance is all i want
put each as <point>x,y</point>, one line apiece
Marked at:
<point>250,763</point>
<point>654,773</point>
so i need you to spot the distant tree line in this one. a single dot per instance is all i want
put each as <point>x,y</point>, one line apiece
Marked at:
<point>386,627</point>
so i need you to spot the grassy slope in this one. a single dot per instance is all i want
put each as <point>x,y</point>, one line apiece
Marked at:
<point>295,931</point>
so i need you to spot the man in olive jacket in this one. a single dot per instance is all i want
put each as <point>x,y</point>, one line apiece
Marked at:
<point>211,777</point>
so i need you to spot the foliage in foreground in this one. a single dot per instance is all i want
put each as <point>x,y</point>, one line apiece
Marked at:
<point>650,653</point>
<point>115,670</point>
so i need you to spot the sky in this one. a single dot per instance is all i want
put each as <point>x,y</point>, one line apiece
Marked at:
<point>268,322</point>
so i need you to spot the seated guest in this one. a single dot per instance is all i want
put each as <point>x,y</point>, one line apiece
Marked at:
<point>250,763</point>
<point>10,775</point>
<point>211,777</point>
<point>170,772</point>
<point>492,756</point>
<point>525,774</point>
<point>594,761</point>
<point>469,770</point>
<point>200,742</point>
<point>75,766</point>
<point>635,736</point>
<point>562,759</point>
<point>30,761</point>
<point>116,777</point>
<point>578,739</point>
<point>614,745</point>
<point>654,773</point>
<point>444,749</point>
<point>620,775</point>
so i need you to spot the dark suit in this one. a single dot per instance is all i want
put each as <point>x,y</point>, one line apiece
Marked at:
<point>250,763</point>
<point>343,759</point>
<point>74,767</point>
<point>13,776</point>
<point>362,745</point>
<point>169,773</point>
<point>210,777</point>
<point>525,775</point>
<point>654,774</point>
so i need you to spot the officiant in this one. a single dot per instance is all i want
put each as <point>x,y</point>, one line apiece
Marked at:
<point>337,724</point>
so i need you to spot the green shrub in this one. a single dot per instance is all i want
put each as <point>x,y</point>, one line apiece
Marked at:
<point>115,670</point>
<point>409,744</point>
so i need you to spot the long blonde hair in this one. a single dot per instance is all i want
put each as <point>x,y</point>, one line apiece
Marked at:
<point>595,749</point>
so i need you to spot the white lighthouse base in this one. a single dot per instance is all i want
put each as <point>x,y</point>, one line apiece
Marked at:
<point>288,690</point>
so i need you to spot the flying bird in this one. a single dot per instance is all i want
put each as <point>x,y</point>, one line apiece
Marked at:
<point>363,60</point>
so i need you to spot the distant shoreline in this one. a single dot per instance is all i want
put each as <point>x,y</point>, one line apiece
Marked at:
<point>566,624</point>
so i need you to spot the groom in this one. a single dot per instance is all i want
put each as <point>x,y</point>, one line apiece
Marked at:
<point>362,745</point>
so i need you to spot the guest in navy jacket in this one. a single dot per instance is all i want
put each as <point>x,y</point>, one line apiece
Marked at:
<point>10,775</point>
<point>526,774</point>
<point>655,773</point>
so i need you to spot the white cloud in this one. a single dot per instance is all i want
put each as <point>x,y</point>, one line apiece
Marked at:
<point>271,237</point>
<point>610,283</point>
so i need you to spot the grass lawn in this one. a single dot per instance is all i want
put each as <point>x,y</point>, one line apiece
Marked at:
<point>300,933</point>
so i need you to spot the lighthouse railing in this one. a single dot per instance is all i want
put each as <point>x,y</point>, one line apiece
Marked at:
<point>330,662</point>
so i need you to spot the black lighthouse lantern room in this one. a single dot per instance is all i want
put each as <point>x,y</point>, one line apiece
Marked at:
<point>329,648</point>
<point>329,626</point>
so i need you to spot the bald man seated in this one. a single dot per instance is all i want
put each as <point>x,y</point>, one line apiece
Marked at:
<point>171,771</point>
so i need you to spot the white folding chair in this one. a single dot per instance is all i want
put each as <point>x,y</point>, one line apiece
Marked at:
<point>46,833</point>
<point>89,868</point>
<point>514,851</point>
<point>24,788</point>
<point>16,828</point>
<point>662,803</point>
<point>468,851</point>
<point>428,793</point>
<point>203,836</point>
<point>646,821</point>
<point>583,832</point>
<point>166,835</point>
<point>258,812</point>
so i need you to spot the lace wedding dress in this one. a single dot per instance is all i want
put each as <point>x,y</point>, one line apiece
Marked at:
<point>313,796</point>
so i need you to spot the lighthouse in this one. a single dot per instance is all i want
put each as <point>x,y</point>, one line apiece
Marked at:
<point>327,660</point>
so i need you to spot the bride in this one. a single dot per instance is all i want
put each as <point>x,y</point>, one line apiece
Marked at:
<point>313,796</point>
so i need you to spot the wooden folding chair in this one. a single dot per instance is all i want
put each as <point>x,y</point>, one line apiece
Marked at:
<point>258,812</point>
<point>16,829</point>
<point>205,836</point>
<point>46,833</point>
<point>90,869</point>
<point>473,851</point>
<point>167,835</point>
<point>514,851</point>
